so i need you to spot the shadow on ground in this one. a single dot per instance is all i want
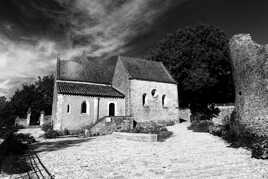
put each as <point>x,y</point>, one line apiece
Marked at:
<point>13,158</point>
<point>58,145</point>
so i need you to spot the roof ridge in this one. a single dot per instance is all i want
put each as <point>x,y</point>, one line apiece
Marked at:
<point>141,59</point>
<point>163,66</point>
<point>127,71</point>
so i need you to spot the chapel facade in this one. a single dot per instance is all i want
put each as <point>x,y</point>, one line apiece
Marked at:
<point>87,90</point>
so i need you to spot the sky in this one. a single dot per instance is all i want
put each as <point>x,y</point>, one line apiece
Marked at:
<point>34,32</point>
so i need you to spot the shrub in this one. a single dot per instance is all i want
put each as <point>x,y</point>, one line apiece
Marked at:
<point>148,128</point>
<point>203,111</point>
<point>201,126</point>
<point>66,132</point>
<point>25,138</point>
<point>216,130</point>
<point>50,134</point>
<point>260,149</point>
<point>163,135</point>
<point>238,135</point>
<point>152,128</point>
<point>166,123</point>
<point>45,127</point>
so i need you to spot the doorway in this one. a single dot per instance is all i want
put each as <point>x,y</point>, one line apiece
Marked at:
<point>111,109</point>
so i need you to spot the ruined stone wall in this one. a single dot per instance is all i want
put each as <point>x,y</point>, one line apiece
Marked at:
<point>250,66</point>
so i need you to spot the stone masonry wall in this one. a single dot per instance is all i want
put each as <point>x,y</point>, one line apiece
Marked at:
<point>250,65</point>
<point>122,83</point>
<point>154,111</point>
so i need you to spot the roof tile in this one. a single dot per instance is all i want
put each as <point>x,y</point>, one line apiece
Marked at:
<point>87,90</point>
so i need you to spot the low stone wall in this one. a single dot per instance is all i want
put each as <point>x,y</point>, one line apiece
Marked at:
<point>108,125</point>
<point>224,111</point>
<point>136,136</point>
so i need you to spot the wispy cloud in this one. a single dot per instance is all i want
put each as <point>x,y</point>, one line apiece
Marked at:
<point>22,63</point>
<point>36,32</point>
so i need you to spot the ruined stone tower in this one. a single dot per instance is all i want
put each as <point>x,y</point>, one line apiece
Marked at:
<point>250,66</point>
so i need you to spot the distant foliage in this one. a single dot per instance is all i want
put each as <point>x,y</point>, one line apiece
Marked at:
<point>198,59</point>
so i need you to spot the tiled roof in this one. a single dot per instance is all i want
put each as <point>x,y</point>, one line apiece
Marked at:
<point>146,70</point>
<point>87,90</point>
<point>87,70</point>
<point>93,70</point>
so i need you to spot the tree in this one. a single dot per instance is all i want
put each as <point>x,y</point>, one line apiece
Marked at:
<point>198,59</point>
<point>37,96</point>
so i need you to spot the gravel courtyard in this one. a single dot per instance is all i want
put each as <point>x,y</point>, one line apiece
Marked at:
<point>185,155</point>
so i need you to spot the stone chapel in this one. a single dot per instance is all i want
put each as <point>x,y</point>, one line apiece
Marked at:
<point>87,90</point>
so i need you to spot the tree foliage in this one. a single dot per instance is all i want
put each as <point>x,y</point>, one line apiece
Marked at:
<point>36,97</point>
<point>198,59</point>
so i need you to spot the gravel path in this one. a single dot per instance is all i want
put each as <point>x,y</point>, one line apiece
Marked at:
<point>185,155</point>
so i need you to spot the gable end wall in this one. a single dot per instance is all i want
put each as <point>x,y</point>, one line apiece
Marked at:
<point>154,111</point>
<point>121,82</point>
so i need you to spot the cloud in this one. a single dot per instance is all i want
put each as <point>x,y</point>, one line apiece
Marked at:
<point>20,63</point>
<point>113,29</point>
<point>33,33</point>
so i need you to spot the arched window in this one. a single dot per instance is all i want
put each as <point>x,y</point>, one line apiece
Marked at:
<point>164,100</point>
<point>111,109</point>
<point>153,92</point>
<point>84,107</point>
<point>68,108</point>
<point>144,99</point>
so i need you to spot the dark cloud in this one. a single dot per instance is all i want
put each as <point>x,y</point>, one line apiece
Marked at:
<point>34,32</point>
<point>233,16</point>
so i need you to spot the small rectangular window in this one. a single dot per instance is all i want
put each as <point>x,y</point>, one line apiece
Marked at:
<point>68,108</point>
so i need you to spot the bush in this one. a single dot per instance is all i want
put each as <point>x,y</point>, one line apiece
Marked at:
<point>46,127</point>
<point>216,130</point>
<point>50,134</point>
<point>166,123</point>
<point>66,132</point>
<point>148,128</point>
<point>25,138</point>
<point>151,128</point>
<point>201,126</point>
<point>203,111</point>
<point>260,149</point>
<point>240,136</point>
<point>163,135</point>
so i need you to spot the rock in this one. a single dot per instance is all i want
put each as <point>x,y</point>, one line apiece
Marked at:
<point>250,65</point>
